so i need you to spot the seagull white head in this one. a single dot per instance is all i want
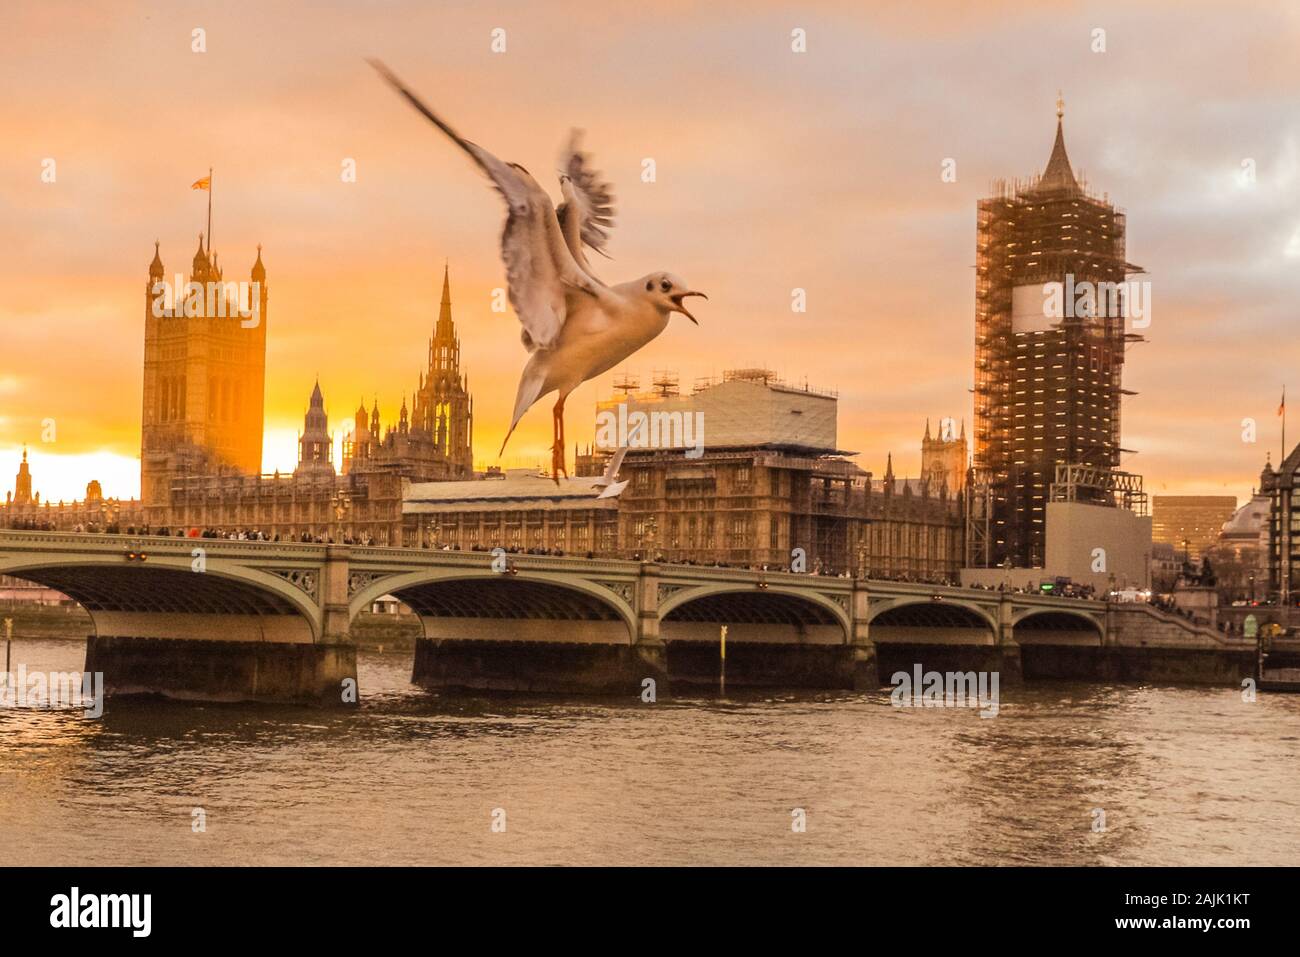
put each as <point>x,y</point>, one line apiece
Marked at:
<point>666,292</point>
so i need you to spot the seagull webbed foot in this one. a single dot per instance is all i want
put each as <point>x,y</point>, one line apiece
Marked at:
<point>557,462</point>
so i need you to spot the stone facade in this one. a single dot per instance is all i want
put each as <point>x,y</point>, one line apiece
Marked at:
<point>204,377</point>
<point>194,481</point>
<point>1283,556</point>
<point>766,504</point>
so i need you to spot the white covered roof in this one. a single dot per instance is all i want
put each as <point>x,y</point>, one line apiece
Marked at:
<point>746,409</point>
<point>516,490</point>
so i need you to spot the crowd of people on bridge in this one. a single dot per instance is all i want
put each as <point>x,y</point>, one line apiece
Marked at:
<point>819,569</point>
<point>228,534</point>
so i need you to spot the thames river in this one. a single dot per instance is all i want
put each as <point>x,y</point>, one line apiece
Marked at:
<point>1182,775</point>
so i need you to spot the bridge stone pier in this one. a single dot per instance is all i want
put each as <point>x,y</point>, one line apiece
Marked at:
<point>204,619</point>
<point>228,620</point>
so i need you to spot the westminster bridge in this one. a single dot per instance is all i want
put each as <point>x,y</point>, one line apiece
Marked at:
<point>221,619</point>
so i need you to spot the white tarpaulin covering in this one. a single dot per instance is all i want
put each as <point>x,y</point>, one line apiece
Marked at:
<point>736,412</point>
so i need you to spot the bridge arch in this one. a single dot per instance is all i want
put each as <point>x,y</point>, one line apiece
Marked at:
<point>164,597</point>
<point>924,610</point>
<point>779,636</point>
<point>923,620</point>
<point>1057,626</point>
<point>776,613</point>
<point>463,604</point>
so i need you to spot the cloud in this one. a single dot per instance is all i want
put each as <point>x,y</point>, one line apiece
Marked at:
<point>776,170</point>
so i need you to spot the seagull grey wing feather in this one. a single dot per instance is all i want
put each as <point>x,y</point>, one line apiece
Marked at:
<point>588,209</point>
<point>541,274</point>
<point>533,282</point>
<point>613,491</point>
<point>616,462</point>
<point>505,176</point>
<point>611,468</point>
<point>571,230</point>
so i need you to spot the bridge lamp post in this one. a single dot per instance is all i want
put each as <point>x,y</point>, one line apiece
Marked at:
<point>648,530</point>
<point>342,504</point>
<point>863,528</point>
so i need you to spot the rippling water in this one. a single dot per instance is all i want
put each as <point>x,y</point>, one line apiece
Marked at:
<point>1184,775</point>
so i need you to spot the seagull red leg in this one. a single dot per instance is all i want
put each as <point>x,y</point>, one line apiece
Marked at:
<point>557,449</point>
<point>563,467</point>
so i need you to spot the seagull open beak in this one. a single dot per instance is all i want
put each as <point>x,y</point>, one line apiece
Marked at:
<point>677,302</point>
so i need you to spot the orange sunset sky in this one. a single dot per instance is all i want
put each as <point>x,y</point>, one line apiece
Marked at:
<point>775,170</point>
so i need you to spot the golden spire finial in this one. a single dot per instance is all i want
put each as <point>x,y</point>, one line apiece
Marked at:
<point>1060,105</point>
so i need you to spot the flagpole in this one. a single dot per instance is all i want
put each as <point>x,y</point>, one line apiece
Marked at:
<point>209,212</point>
<point>1282,458</point>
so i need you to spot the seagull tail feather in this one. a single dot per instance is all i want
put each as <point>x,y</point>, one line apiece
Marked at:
<point>530,390</point>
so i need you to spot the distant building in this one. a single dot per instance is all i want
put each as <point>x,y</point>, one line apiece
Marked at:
<point>17,592</point>
<point>1190,523</point>
<point>1047,381</point>
<point>198,464</point>
<point>315,443</point>
<point>518,509</point>
<point>1283,521</point>
<point>23,485</point>
<point>913,528</point>
<point>433,441</point>
<point>1240,554</point>
<point>23,508</point>
<point>1098,535</point>
<point>1097,545</point>
<point>945,458</point>
<point>1166,566</point>
<point>744,472</point>
<point>204,378</point>
<point>364,504</point>
<point>746,408</point>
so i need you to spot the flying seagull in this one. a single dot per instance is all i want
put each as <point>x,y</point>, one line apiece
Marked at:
<point>608,483</point>
<point>575,326</point>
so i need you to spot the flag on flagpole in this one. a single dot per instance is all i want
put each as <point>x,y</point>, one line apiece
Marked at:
<point>205,184</point>
<point>1281,409</point>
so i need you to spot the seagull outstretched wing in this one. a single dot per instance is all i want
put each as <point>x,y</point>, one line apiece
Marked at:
<point>587,213</point>
<point>611,468</point>
<point>613,491</point>
<point>541,273</point>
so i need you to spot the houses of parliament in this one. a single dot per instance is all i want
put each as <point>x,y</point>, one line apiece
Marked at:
<point>766,484</point>
<point>202,425</point>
